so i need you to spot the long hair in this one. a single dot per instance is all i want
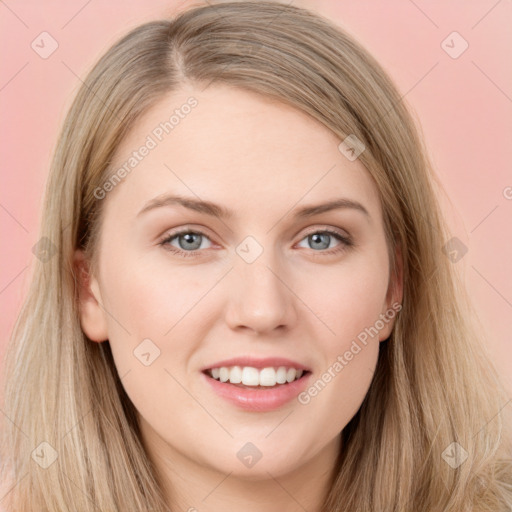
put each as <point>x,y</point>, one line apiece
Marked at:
<point>70,436</point>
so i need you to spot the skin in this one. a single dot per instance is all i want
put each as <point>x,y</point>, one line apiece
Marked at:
<point>263,160</point>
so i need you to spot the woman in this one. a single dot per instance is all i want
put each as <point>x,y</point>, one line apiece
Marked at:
<point>313,351</point>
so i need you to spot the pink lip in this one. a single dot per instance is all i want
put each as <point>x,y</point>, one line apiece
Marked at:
<point>258,363</point>
<point>258,399</point>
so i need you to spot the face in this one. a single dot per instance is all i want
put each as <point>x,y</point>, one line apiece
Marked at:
<point>181,288</point>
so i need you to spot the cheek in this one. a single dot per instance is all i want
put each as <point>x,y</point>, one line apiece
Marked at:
<point>142,304</point>
<point>351,305</point>
<point>345,382</point>
<point>150,331</point>
<point>348,297</point>
<point>152,298</point>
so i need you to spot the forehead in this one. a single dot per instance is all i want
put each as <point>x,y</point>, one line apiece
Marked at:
<point>234,147</point>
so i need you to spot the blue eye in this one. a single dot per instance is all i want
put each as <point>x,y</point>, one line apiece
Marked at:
<point>321,239</point>
<point>190,242</point>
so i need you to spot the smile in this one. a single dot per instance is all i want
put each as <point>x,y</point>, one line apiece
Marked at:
<point>250,376</point>
<point>257,390</point>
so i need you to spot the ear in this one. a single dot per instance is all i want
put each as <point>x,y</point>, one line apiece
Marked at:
<point>92,316</point>
<point>394,295</point>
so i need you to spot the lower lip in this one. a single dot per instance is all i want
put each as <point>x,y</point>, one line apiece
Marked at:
<point>258,399</point>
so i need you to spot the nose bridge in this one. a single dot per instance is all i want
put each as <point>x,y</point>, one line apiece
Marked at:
<point>259,299</point>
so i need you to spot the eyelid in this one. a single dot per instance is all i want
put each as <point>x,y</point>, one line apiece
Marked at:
<point>327,228</point>
<point>186,228</point>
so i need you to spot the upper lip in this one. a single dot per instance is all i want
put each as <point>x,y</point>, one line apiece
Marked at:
<point>258,363</point>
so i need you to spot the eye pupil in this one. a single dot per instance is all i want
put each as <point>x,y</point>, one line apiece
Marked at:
<point>317,238</point>
<point>189,239</point>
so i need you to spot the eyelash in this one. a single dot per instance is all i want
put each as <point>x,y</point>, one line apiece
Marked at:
<point>346,242</point>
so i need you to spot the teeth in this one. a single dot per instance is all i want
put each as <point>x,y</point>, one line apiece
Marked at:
<point>250,376</point>
<point>281,375</point>
<point>223,374</point>
<point>235,375</point>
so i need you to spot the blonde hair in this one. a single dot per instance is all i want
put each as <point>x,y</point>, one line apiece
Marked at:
<point>434,384</point>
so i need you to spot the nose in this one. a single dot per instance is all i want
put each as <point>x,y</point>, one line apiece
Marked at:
<point>260,299</point>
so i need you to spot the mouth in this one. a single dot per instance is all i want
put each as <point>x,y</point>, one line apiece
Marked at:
<point>263,389</point>
<point>248,377</point>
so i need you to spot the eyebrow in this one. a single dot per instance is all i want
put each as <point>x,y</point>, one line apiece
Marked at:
<point>218,211</point>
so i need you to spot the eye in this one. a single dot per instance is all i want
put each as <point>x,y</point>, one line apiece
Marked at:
<point>189,242</point>
<point>321,240</point>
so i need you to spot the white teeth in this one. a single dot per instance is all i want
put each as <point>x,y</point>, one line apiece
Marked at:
<point>235,375</point>
<point>281,375</point>
<point>268,377</point>
<point>290,374</point>
<point>250,376</point>
<point>224,374</point>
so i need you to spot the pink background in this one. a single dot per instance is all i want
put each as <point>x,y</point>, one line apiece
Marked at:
<point>464,105</point>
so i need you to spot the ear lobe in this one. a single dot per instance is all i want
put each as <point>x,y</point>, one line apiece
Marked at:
<point>92,317</point>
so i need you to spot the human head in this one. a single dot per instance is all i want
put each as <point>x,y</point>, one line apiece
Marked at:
<point>303,62</point>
